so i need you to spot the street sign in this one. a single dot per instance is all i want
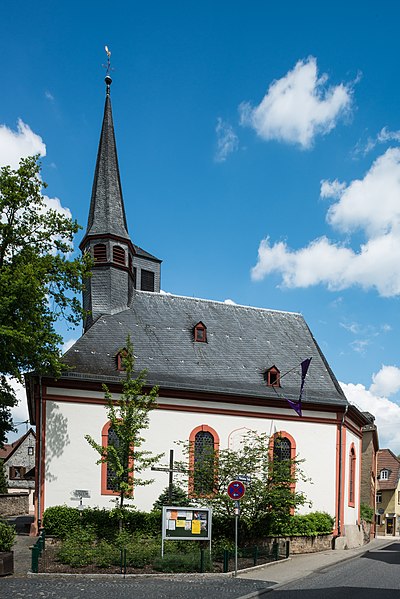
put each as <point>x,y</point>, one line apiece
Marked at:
<point>236,489</point>
<point>244,478</point>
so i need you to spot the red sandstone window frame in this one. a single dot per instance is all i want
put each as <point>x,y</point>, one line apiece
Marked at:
<point>352,476</point>
<point>104,465</point>
<point>120,360</point>
<point>272,377</point>
<point>200,332</point>
<point>192,437</point>
<point>293,453</point>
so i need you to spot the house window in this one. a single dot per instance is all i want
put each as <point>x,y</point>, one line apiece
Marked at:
<point>384,475</point>
<point>272,377</point>
<point>100,253</point>
<point>379,497</point>
<point>30,450</point>
<point>203,458</point>
<point>134,272</point>
<point>398,497</point>
<point>16,472</point>
<point>118,255</point>
<point>352,476</point>
<point>200,333</point>
<point>378,519</point>
<point>147,280</point>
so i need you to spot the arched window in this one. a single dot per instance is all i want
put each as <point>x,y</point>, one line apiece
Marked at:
<point>100,253</point>
<point>203,461</point>
<point>108,480</point>
<point>118,255</point>
<point>282,452</point>
<point>352,475</point>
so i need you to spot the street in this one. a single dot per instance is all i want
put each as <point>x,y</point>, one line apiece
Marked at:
<point>375,575</point>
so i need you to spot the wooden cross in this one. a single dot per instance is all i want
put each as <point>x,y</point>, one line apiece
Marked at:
<point>170,469</point>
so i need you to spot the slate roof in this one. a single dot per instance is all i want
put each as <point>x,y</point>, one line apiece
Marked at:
<point>242,343</point>
<point>388,461</point>
<point>107,212</point>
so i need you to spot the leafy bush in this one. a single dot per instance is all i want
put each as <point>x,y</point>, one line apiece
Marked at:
<point>140,551</point>
<point>7,536</point>
<point>187,562</point>
<point>60,520</point>
<point>310,525</point>
<point>366,512</point>
<point>78,549</point>
<point>105,554</point>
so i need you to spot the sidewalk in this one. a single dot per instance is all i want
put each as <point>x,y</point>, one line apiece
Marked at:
<point>300,566</point>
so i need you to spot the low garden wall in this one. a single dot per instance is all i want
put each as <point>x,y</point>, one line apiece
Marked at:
<point>14,504</point>
<point>300,544</point>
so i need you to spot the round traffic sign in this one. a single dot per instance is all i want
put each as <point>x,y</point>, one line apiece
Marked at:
<point>236,489</point>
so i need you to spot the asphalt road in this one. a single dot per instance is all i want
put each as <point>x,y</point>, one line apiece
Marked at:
<point>143,588</point>
<point>375,575</point>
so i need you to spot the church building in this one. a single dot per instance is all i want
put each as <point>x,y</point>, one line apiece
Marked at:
<point>222,370</point>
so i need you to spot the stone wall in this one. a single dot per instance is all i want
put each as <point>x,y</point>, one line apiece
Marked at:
<point>300,544</point>
<point>14,504</point>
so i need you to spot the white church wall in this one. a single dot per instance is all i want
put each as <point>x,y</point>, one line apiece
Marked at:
<point>70,461</point>
<point>351,514</point>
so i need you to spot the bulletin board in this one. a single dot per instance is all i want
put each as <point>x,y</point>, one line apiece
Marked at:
<point>186,523</point>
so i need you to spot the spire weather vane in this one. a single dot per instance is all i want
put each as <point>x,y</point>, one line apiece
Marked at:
<point>108,66</point>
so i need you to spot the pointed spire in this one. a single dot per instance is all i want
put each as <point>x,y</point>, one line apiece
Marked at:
<point>107,212</point>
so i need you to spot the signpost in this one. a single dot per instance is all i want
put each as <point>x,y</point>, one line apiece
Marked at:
<point>236,491</point>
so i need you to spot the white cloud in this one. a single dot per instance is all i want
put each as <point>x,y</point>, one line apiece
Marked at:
<point>15,145</point>
<point>384,136</point>
<point>298,107</point>
<point>331,189</point>
<point>357,205</point>
<point>374,264</point>
<point>227,140</point>
<point>386,412</point>
<point>360,345</point>
<point>230,302</point>
<point>67,345</point>
<point>20,412</point>
<point>49,96</point>
<point>386,381</point>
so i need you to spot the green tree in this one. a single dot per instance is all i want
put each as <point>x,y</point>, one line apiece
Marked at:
<point>271,495</point>
<point>3,482</point>
<point>38,280</point>
<point>128,416</point>
<point>179,498</point>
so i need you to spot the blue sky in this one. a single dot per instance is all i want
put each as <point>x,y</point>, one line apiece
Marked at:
<point>259,149</point>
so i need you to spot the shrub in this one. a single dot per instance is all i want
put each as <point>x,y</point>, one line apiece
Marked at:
<point>140,551</point>
<point>366,512</point>
<point>105,554</point>
<point>60,520</point>
<point>78,549</point>
<point>187,562</point>
<point>7,536</point>
<point>179,498</point>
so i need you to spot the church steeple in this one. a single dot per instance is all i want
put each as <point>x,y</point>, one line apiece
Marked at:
<point>119,266</point>
<point>107,212</point>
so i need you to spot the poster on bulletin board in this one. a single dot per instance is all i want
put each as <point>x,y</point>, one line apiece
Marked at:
<point>186,523</point>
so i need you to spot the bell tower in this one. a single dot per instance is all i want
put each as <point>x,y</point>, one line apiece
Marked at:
<point>119,266</point>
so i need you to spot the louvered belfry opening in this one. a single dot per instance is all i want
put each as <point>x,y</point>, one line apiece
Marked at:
<point>100,253</point>
<point>118,255</point>
<point>147,280</point>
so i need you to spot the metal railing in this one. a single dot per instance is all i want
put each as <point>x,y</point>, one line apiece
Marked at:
<point>37,549</point>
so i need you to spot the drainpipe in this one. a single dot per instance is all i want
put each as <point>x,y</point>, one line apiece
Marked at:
<point>339,528</point>
<point>39,457</point>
